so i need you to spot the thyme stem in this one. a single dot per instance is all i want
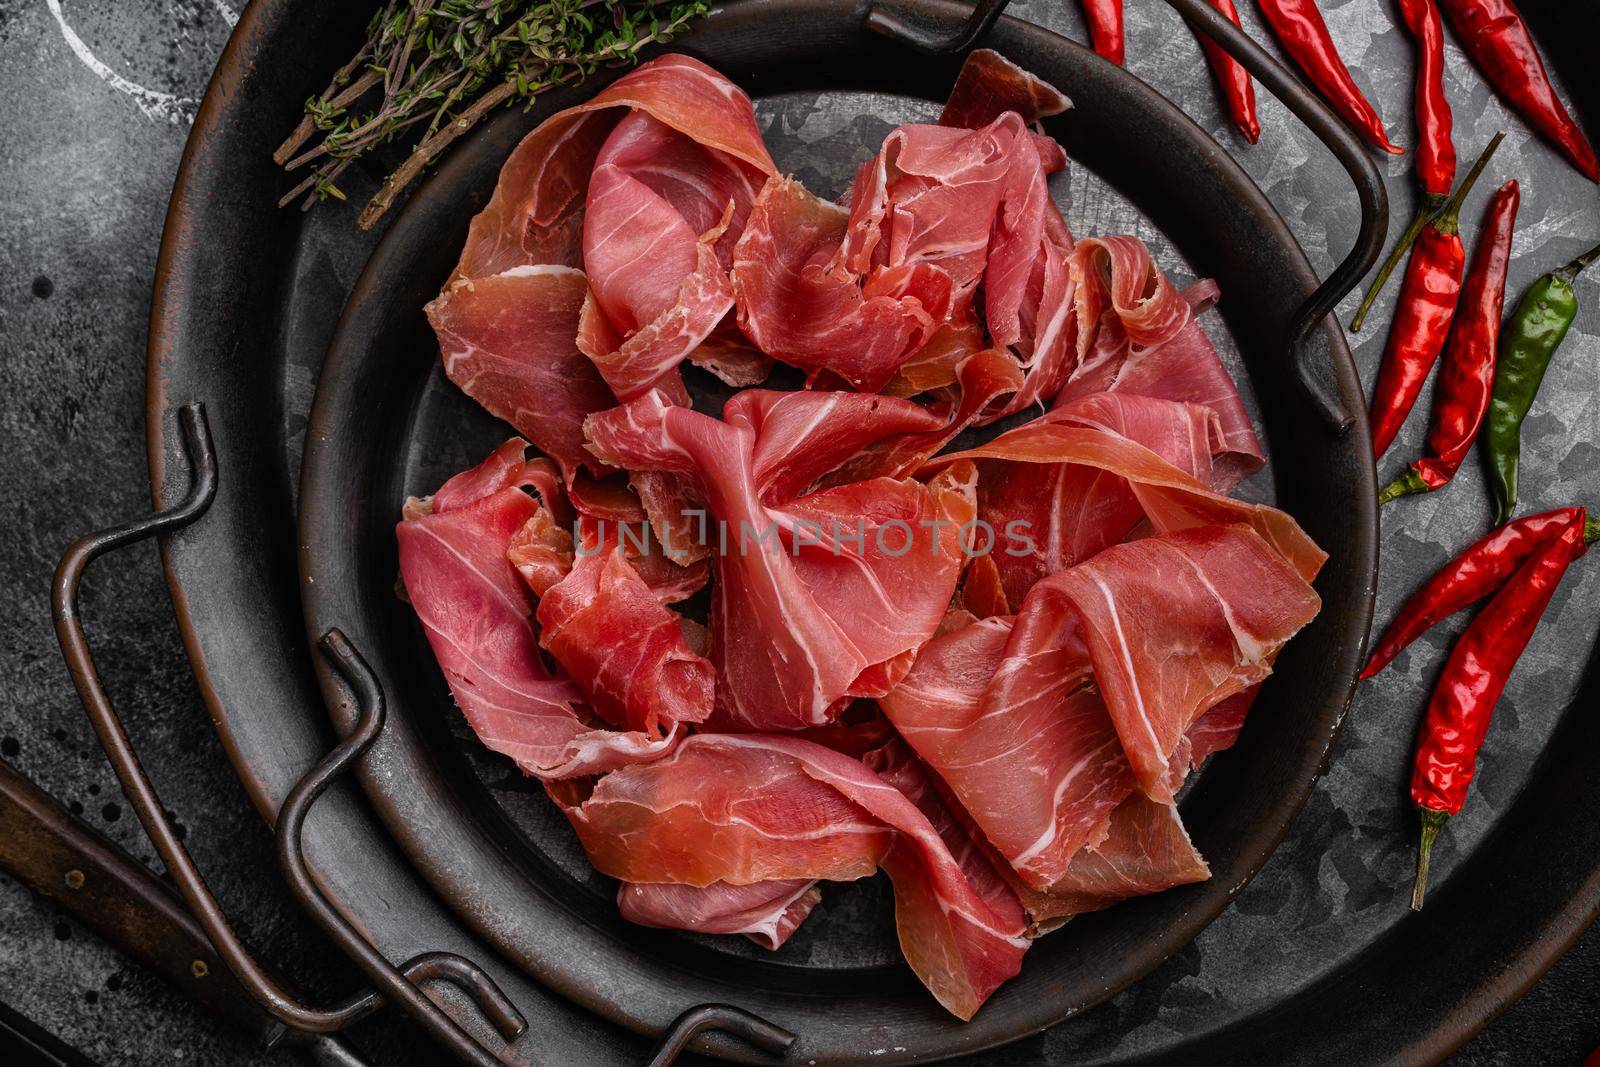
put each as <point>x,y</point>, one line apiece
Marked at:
<point>444,65</point>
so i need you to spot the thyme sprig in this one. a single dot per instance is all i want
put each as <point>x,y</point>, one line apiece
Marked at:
<point>439,66</point>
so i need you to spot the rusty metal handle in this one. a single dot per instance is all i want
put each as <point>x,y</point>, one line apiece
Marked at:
<point>147,805</point>
<point>767,1036</point>
<point>1348,149</point>
<point>1306,106</point>
<point>930,41</point>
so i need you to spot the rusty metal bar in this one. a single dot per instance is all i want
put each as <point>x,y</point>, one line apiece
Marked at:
<point>142,797</point>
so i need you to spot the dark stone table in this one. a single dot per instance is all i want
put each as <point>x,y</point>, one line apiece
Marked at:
<point>99,97</point>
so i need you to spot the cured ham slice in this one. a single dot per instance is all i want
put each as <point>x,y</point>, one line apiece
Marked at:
<point>1145,850</point>
<point>1174,625</point>
<point>1029,751</point>
<point>508,341</point>
<point>799,306</point>
<point>823,599</point>
<point>535,213</point>
<point>990,85</point>
<point>801,436</point>
<point>1176,360</point>
<point>765,912</point>
<point>742,809</point>
<point>474,607</point>
<point>662,215</point>
<point>607,628</point>
<point>1118,481</point>
<point>1042,727</point>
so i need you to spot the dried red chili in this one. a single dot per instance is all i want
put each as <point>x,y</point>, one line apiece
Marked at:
<point>1474,677</point>
<point>1422,318</point>
<point>1466,382</point>
<point>1105,27</point>
<point>1493,33</point>
<point>1435,156</point>
<point>1298,25</point>
<point>1478,571</point>
<point>1238,91</point>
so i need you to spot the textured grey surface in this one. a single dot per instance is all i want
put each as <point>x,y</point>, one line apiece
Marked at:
<point>88,145</point>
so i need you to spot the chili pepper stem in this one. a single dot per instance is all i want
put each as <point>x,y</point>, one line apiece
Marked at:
<point>1591,530</point>
<point>1408,483</point>
<point>1573,269</point>
<point>1430,205</point>
<point>1432,821</point>
<point>1446,220</point>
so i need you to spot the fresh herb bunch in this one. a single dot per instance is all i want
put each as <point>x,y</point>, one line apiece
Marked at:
<point>442,65</point>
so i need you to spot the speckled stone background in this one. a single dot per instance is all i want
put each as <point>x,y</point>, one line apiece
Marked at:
<point>98,97</point>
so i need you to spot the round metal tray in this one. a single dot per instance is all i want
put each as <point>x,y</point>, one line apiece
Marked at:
<point>383,425</point>
<point>245,303</point>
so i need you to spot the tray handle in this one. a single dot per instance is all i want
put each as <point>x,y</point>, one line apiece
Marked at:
<point>1352,154</point>
<point>1317,117</point>
<point>395,984</point>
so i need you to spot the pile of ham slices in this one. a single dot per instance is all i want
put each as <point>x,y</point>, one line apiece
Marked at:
<point>1001,728</point>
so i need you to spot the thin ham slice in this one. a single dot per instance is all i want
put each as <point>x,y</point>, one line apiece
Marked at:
<point>608,629</point>
<point>798,305</point>
<point>1028,749</point>
<point>1112,466</point>
<point>743,809</point>
<point>474,607</point>
<point>1175,624</point>
<point>1177,362</point>
<point>765,912</point>
<point>508,341</point>
<point>535,213</point>
<point>990,84</point>
<point>1044,726</point>
<point>822,599</point>
<point>802,436</point>
<point>1145,850</point>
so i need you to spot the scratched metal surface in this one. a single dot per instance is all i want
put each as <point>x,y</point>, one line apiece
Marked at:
<point>101,94</point>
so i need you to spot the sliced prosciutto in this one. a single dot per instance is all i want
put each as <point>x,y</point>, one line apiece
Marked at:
<point>990,85</point>
<point>1174,625</point>
<point>743,809</point>
<point>765,912</point>
<point>987,673</point>
<point>661,218</point>
<point>474,607</point>
<point>819,600</point>
<point>509,342</point>
<point>608,629</point>
<point>1138,335</point>
<point>1080,477</point>
<point>801,306</point>
<point>536,211</point>
<point>668,161</point>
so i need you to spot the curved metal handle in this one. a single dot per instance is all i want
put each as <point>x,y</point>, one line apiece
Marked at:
<point>931,42</point>
<point>1352,155</point>
<point>147,805</point>
<point>1316,115</point>
<point>769,1037</point>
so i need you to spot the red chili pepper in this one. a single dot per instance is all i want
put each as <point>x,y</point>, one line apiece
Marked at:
<point>1474,677</point>
<point>1422,318</point>
<point>1493,33</point>
<point>1478,571</point>
<point>1105,27</point>
<point>1466,381</point>
<point>1298,24</point>
<point>1238,91</point>
<point>1436,152</point>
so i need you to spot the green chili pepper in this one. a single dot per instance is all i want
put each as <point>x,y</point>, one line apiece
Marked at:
<point>1534,334</point>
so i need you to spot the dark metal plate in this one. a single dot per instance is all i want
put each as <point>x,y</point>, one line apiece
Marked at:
<point>384,426</point>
